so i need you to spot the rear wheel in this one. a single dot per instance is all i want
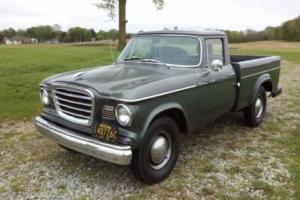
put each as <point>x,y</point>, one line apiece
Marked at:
<point>158,153</point>
<point>255,113</point>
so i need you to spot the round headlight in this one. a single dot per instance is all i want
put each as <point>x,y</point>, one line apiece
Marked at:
<point>123,115</point>
<point>44,97</point>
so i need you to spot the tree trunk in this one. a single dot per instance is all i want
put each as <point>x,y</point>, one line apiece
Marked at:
<point>122,24</point>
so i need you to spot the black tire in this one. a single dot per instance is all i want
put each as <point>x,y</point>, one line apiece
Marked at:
<point>254,117</point>
<point>142,163</point>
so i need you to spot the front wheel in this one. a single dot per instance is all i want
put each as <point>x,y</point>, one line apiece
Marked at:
<point>158,153</point>
<point>255,113</point>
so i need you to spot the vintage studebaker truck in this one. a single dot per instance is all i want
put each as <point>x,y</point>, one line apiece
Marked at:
<point>164,84</point>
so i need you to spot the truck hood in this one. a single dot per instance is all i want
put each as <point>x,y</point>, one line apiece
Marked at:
<point>129,81</point>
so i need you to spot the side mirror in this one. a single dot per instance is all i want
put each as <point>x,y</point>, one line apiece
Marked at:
<point>216,65</point>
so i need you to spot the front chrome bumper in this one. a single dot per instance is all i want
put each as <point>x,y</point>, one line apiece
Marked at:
<point>87,145</point>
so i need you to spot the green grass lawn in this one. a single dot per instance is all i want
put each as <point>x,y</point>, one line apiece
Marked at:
<point>23,67</point>
<point>287,51</point>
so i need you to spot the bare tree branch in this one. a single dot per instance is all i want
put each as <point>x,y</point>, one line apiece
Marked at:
<point>109,5</point>
<point>159,3</point>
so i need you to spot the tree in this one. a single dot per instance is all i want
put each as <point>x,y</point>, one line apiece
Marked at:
<point>56,27</point>
<point>106,35</point>
<point>93,33</point>
<point>112,5</point>
<point>61,36</point>
<point>78,34</point>
<point>1,38</point>
<point>21,32</point>
<point>41,33</point>
<point>113,34</point>
<point>8,33</point>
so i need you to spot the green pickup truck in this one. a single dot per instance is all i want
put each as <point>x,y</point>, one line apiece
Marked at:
<point>163,85</point>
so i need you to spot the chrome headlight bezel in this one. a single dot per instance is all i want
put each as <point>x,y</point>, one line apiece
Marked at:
<point>44,96</point>
<point>123,115</point>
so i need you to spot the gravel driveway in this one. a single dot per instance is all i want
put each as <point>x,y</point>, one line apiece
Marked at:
<point>223,160</point>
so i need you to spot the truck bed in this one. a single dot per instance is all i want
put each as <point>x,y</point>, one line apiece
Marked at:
<point>248,70</point>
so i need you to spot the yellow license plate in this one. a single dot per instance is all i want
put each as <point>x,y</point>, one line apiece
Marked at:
<point>107,132</point>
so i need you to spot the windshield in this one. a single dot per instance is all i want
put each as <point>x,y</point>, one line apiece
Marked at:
<point>174,50</point>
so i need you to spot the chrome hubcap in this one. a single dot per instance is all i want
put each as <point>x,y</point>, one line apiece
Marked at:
<point>160,150</point>
<point>258,108</point>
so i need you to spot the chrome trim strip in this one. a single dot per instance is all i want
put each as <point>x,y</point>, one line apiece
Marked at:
<point>117,154</point>
<point>244,77</point>
<point>153,96</point>
<point>172,65</point>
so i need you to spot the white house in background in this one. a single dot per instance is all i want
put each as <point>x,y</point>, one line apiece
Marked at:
<point>52,41</point>
<point>7,41</point>
<point>20,40</point>
<point>34,41</point>
<point>15,40</point>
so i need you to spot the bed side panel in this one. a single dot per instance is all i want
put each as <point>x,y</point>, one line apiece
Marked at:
<point>251,71</point>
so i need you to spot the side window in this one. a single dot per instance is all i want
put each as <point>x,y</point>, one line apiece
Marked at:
<point>215,50</point>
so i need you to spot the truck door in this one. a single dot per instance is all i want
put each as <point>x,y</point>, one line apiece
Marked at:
<point>216,91</point>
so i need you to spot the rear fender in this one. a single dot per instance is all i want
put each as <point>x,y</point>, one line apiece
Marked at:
<point>260,81</point>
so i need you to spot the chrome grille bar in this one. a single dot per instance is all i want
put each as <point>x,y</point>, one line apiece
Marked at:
<point>73,95</point>
<point>77,115</point>
<point>74,108</point>
<point>74,104</point>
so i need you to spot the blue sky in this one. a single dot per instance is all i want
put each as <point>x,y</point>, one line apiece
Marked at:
<point>142,15</point>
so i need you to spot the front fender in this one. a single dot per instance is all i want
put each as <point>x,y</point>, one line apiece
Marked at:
<point>156,111</point>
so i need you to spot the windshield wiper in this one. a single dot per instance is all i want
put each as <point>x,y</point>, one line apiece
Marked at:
<point>132,58</point>
<point>150,60</point>
<point>146,60</point>
<point>153,61</point>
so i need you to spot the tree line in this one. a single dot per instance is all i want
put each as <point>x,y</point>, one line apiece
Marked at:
<point>289,31</point>
<point>74,34</point>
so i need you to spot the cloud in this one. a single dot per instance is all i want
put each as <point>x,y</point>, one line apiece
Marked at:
<point>142,14</point>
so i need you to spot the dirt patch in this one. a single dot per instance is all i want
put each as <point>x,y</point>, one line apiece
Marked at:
<point>16,127</point>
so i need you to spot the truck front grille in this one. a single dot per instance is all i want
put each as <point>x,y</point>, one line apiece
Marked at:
<point>74,105</point>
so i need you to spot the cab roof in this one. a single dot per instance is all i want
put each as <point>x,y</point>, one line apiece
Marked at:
<point>181,32</point>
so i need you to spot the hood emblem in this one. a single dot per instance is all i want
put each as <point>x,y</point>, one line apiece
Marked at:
<point>78,74</point>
